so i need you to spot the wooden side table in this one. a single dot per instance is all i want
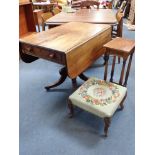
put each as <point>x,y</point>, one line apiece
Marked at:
<point>124,48</point>
<point>37,17</point>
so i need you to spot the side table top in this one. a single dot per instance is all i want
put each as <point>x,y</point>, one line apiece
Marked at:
<point>123,46</point>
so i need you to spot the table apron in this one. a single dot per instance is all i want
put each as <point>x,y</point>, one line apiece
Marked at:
<point>47,54</point>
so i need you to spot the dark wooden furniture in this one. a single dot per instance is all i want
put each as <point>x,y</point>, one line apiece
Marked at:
<point>127,9</point>
<point>65,43</point>
<point>123,48</point>
<point>93,96</point>
<point>26,19</point>
<point>132,12</point>
<point>95,16</point>
<point>26,25</point>
<point>118,29</point>
<point>88,4</point>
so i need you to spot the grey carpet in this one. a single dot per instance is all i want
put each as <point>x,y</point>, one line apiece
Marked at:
<point>45,128</point>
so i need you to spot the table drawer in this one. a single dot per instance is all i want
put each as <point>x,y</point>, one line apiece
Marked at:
<point>50,55</point>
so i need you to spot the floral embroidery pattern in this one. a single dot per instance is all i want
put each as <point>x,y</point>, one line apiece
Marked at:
<point>99,92</point>
<point>89,99</point>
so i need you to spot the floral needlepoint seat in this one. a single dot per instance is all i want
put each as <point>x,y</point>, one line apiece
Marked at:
<point>99,97</point>
<point>103,97</point>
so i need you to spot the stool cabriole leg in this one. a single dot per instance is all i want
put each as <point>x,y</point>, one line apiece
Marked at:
<point>107,122</point>
<point>71,109</point>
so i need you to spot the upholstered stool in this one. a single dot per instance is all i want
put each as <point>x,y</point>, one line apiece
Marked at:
<point>102,97</point>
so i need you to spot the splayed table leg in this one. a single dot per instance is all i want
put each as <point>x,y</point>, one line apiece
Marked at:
<point>63,73</point>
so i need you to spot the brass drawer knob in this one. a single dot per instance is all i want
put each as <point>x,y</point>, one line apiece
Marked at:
<point>28,49</point>
<point>51,55</point>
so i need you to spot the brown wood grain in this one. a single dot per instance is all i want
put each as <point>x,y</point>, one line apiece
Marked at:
<point>22,21</point>
<point>26,19</point>
<point>76,45</point>
<point>124,48</point>
<point>37,17</point>
<point>97,16</point>
<point>87,53</point>
<point>87,4</point>
<point>121,46</point>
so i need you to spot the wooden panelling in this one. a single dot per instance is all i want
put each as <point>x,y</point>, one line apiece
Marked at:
<point>26,26</point>
<point>26,19</point>
<point>23,29</point>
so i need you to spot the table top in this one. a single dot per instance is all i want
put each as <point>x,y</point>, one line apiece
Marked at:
<point>78,44</point>
<point>65,37</point>
<point>95,16</point>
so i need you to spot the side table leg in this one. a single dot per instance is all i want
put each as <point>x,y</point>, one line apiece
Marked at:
<point>83,77</point>
<point>74,83</point>
<point>63,73</point>
<point>104,58</point>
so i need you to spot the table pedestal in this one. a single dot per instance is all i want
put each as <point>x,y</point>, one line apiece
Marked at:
<point>63,76</point>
